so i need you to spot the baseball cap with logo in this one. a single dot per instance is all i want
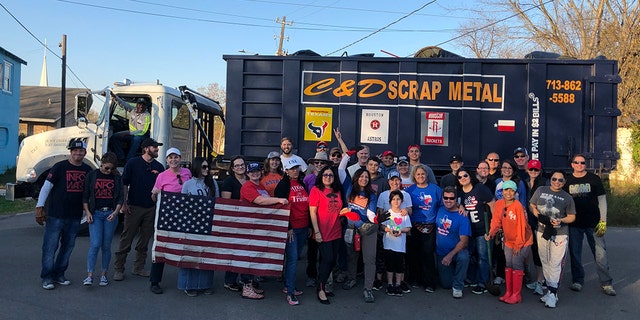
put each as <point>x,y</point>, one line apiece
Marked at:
<point>519,150</point>
<point>77,144</point>
<point>402,159</point>
<point>455,157</point>
<point>534,164</point>
<point>291,163</point>
<point>393,174</point>
<point>388,153</point>
<point>253,166</point>
<point>273,154</point>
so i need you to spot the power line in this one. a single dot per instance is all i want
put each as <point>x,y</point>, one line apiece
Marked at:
<point>42,43</point>
<point>388,25</point>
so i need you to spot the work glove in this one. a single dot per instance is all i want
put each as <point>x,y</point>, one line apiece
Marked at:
<point>601,228</point>
<point>544,220</point>
<point>41,216</point>
<point>351,152</point>
<point>382,217</point>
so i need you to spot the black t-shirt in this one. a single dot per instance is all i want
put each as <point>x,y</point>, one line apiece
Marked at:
<point>448,179</point>
<point>231,184</point>
<point>65,198</point>
<point>140,176</point>
<point>585,192</point>
<point>103,190</point>
<point>474,202</point>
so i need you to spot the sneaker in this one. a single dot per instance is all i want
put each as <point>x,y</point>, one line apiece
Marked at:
<point>469,284</point>
<point>62,281</point>
<point>390,290</point>
<point>377,285</point>
<point>429,289</point>
<point>155,288</point>
<point>118,276</point>
<point>478,290</point>
<point>551,301</point>
<point>248,292</point>
<point>292,300</point>
<point>88,281</point>
<point>576,287</point>
<point>232,286</point>
<point>368,296</point>
<point>103,281</point>
<point>341,277</point>
<point>397,291</point>
<point>48,285</point>
<point>532,285</point>
<point>544,298</point>
<point>498,280</point>
<point>296,292</point>
<point>141,273</point>
<point>456,293</point>
<point>349,284</point>
<point>538,290</point>
<point>311,282</point>
<point>191,293</point>
<point>256,287</point>
<point>608,290</point>
<point>405,287</point>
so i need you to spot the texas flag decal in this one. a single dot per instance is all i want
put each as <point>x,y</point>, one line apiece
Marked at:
<point>506,125</point>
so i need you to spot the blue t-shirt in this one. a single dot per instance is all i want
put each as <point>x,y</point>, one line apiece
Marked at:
<point>426,202</point>
<point>140,176</point>
<point>450,225</point>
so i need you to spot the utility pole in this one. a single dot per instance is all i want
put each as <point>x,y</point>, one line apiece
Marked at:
<point>282,23</point>
<point>63,97</point>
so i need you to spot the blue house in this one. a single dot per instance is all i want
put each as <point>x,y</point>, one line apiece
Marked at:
<point>10,66</point>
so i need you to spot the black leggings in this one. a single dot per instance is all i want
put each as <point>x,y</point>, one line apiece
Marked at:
<point>328,256</point>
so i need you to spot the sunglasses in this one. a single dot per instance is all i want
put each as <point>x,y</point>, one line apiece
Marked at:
<point>494,160</point>
<point>448,198</point>
<point>336,155</point>
<point>460,177</point>
<point>321,147</point>
<point>520,156</point>
<point>579,162</point>
<point>534,169</point>
<point>179,179</point>
<point>327,175</point>
<point>205,167</point>
<point>318,162</point>
<point>561,180</point>
<point>108,168</point>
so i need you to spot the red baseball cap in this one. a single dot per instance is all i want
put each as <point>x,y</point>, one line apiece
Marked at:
<point>534,164</point>
<point>388,153</point>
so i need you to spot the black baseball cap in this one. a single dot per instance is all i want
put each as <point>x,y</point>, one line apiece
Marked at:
<point>149,142</point>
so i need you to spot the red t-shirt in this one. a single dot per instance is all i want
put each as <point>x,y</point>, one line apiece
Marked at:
<point>250,191</point>
<point>299,208</point>
<point>329,205</point>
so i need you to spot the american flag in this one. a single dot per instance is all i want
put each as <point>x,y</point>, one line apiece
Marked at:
<point>235,236</point>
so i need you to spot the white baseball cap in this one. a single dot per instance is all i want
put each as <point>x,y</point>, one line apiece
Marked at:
<point>173,150</point>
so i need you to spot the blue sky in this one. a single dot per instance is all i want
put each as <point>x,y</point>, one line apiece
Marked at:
<point>182,42</point>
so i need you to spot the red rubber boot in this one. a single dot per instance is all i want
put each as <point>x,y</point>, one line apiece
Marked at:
<point>508,277</point>
<point>516,287</point>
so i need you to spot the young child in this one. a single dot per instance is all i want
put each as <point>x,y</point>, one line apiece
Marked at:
<point>394,242</point>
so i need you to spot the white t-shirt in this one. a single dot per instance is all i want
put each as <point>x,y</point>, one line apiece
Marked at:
<point>391,242</point>
<point>303,164</point>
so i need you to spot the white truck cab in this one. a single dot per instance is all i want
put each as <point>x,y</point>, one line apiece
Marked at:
<point>180,118</point>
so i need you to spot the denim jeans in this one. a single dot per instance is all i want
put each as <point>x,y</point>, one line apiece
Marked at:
<point>118,138</point>
<point>598,249</point>
<point>479,269</point>
<point>452,276</point>
<point>100,235</point>
<point>194,279</point>
<point>292,252</point>
<point>58,232</point>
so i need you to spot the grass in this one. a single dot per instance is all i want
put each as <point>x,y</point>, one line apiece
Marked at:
<point>17,206</point>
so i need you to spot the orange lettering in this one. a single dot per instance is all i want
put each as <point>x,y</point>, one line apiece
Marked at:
<point>323,86</point>
<point>368,83</point>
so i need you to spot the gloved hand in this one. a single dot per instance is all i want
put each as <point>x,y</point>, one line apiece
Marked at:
<point>351,215</point>
<point>544,220</point>
<point>41,216</point>
<point>601,228</point>
<point>382,217</point>
<point>351,152</point>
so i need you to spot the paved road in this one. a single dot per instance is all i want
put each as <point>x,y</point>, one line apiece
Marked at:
<point>21,296</point>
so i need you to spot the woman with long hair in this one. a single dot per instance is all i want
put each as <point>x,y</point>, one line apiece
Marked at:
<point>272,172</point>
<point>230,189</point>
<point>325,203</point>
<point>534,180</point>
<point>194,281</point>
<point>478,202</point>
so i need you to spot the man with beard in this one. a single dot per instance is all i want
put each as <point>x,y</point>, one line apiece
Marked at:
<point>286,146</point>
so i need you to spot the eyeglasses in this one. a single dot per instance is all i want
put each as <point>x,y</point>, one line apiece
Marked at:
<point>179,179</point>
<point>579,162</point>
<point>318,162</point>
<point>241,165</point>
<point>460,177</point>
<point>205,167</point>
<point>107,168</point>
<point>494,160</point>
<point>561,180</point>
<point>506,168</point>
<point>448,198</point>
<point>327,175</point>
<point>534,169</point>
<point>520,156</point>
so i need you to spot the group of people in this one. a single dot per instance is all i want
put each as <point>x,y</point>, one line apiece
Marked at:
<point>387,216</point>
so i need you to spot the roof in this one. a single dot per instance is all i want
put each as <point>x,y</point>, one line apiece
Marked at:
<point>12,56</point>
<point>44,102</point>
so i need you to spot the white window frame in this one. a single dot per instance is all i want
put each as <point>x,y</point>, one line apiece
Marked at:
<point>5,76</point>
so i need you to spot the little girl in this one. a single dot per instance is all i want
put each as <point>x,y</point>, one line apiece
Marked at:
<point>394,242</point>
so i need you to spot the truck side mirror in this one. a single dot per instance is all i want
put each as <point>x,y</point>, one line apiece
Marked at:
<point>82,105</point>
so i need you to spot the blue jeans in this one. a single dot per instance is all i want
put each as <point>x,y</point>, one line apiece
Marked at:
<point>100,235</point>
<point>452,276</point>
<point>119,137</point>
<point>194,279</point>
<point>479,269</point>
<point>292,252</point>
<point>60,233</point>
<point>598,249</point>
